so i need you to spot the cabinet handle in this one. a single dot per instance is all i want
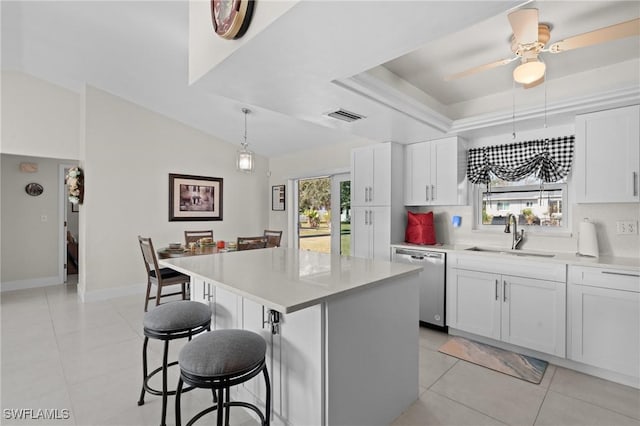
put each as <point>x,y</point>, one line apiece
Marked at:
<point>366,217</point>
<point>433,192</point>
<point>370,193</point>
<point>635,184</point>
<point>426,192</point>
<point>621,273</point>
<point>504,290</point>
<point>497,284</point>
<point>370,217</point>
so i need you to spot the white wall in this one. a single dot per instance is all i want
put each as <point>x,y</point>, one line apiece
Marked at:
<point>38,118</point>
<point>29,251</point>
<point>128,154</point>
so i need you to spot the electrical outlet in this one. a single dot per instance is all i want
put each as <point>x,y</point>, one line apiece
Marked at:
<point>43,218</point>
<point>626,227</point>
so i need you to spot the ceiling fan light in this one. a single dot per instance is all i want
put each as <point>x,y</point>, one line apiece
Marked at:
<point>529,72</point>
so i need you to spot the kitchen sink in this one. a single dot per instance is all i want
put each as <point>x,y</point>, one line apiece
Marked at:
<point>510,252</point>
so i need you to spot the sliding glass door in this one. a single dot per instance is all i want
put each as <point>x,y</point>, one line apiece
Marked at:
<point>323,219</point>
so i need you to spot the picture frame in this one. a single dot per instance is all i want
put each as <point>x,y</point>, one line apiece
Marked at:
<point>75,208</point>
<point>278,197</point>
<point>195,198</point>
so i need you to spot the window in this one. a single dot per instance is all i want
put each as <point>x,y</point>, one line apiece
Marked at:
<point>536,208</point>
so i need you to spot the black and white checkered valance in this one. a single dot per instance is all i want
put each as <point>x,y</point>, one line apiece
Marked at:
<point>548,159</point>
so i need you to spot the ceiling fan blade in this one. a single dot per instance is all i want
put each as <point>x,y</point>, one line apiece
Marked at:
<point>535,83</point>
<point>613,32</point>
<point>480,68</point>
<point>524,23</point>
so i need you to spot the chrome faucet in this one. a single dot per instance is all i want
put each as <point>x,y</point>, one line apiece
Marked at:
<point>517,239</point>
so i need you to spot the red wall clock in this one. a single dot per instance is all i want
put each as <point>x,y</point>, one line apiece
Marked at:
<point>231,18</point>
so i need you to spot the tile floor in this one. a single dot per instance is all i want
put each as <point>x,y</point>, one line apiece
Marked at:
<point>61,354</point>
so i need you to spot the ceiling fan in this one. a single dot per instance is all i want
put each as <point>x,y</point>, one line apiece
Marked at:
<point>530,38</point>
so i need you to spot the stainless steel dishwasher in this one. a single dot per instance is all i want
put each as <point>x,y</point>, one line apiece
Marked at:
<point>432,282</point>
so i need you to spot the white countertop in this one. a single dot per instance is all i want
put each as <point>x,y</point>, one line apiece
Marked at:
<point>288,280</point>
<point>626,263</point>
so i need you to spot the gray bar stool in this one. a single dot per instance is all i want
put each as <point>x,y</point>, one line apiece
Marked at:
<point>170,321</point>
<point>218,360</point>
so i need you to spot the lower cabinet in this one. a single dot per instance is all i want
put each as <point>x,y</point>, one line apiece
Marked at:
<point>294,352</point>
<point>524,311</point>
<point>604,319</point>
<point>371,232</point>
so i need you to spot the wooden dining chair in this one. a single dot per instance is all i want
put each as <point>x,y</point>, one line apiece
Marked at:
<point>250,243</point>
<point>195,236</point>
<point>161,277</point>
<point>273,238</point>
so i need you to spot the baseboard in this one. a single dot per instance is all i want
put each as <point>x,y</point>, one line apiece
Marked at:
<point>30,283</point>
<point>111,293</point>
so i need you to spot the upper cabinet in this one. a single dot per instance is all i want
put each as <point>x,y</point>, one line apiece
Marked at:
<point>607,160</point>
<point>435,173</point>
<point>373,171</point>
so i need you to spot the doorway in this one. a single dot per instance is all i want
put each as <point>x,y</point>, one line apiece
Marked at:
<point>324,213</point>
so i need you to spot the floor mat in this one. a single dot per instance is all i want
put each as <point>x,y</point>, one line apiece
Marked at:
<point>507,362</point>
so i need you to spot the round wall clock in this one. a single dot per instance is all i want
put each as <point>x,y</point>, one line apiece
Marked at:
<point>34,189</point>
<point>231,18</point>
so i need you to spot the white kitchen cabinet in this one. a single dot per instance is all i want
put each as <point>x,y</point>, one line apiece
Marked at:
<point>378,217</point>
<point>294,360</point>
<point>435,173</point>
<point>525,310</point>
<point>372,172</point>
<point>607,156</point>
<point>223,303</point>
<point>370,230</point>
<point>604,319</point>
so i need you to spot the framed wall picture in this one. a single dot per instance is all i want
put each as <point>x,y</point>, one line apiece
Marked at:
<point>75,208</point>
<point>277,197</point>
<point>194,198</point>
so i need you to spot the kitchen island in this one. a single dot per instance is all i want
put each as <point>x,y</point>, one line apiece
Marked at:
<point>342,332</point>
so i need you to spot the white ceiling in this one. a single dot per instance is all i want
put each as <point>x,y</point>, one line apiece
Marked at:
<point>319,56</point>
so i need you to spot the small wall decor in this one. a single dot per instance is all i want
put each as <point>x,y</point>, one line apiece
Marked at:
<point>231,18</point>
<point>194,198</point>
<point>28,167</point>
<point>75,185</point>
<point>277,197</point>
<point>34,189</point>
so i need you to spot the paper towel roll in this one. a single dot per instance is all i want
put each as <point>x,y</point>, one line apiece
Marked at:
<point>587,239</point>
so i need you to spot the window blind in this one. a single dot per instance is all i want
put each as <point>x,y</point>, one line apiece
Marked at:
<point>547,159</point>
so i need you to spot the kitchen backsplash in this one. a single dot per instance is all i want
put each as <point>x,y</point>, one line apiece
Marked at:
<point>604,216</point>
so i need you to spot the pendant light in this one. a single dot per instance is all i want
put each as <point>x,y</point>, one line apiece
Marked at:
<point>245,160</point>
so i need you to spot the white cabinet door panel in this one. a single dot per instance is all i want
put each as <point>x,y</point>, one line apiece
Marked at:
<point>381,188</point>
<point>608,156</point>
<point>477,296</point>
<point>533,314</point>
<point>380,223</point>
<point>360,232</point>
<point>361,175</point>
<point>417,174</point>
<point>226,309</point>
<point>605,328</point>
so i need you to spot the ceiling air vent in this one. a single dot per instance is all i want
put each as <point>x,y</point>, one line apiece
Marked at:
<point>345,115</point>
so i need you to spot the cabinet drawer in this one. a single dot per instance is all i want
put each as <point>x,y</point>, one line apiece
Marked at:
<point>507,265</point>
<point>617,279</point>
